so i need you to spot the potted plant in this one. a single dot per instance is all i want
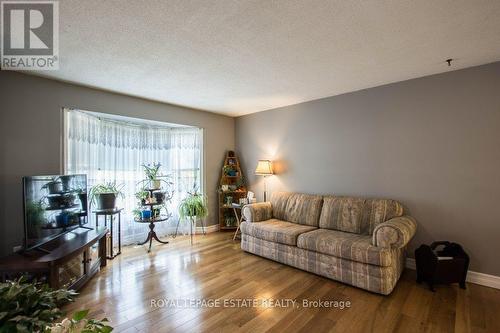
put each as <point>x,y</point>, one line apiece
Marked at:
<point>239,183</point>
<point>137,213</point>
<point>146,214</point>
<point>55,201</point>
<point>159,196</point>
<point>193,207</point>
<point>54,186</point>
<point>68,200</point>
<point>229,170</point>
<point>66,182</point>
<point>156,212</point>
<point>104,195</point>
<point>142,195</point>
<point>142,214</point>
<point>153,175</point>
<point>35,216</point>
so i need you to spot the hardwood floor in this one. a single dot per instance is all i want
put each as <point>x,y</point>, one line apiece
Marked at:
<point>216,268</point>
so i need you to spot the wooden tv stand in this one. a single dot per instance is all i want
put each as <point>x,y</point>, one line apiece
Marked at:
<point>72,260</point>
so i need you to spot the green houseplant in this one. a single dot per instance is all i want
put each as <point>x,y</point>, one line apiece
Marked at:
<point>29,307</point>
<point>154,179</point>
<point>35,216</point>
<point>33,307</point>
<point>193,207</point>
<point>229,170</point>
<point>142,195</point>
<point>54,186</point>
<point>79,323</point>
<point>104,195</point>
<point>152,172</point>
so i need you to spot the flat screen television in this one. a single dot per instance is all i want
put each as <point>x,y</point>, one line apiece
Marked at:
<point>53,205</point>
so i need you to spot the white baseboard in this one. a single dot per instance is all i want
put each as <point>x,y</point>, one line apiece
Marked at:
<point>482,279</point>
<point>410,264</point>
<point>208,229</point>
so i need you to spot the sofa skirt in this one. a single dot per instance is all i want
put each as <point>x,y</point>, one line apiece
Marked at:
<point>378,279</point>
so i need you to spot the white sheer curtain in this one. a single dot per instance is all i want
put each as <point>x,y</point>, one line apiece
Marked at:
<point>114,150</point>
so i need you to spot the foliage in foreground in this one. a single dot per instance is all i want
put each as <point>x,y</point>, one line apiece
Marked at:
<point>33,307</point>
<point>80,324</point>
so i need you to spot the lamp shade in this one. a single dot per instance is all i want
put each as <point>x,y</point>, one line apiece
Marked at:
<point>264,168</point>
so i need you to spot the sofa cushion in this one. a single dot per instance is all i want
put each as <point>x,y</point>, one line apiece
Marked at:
<point>303,209</point>
<point>342,213</point>
<point>279,201</point>
<point>357,215</point>
<point>275,230</point>
<point>345,245</point>
<point>377,211</point>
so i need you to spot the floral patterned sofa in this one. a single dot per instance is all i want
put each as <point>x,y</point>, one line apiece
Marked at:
<point>361,242</point>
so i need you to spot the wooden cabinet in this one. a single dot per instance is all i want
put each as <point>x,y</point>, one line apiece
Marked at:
<point>71,271</point>
<point>72,259</point>
<point>231,189</point>
<point>94,256</point>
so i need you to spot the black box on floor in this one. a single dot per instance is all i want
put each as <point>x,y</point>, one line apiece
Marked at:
<point>441,262</point>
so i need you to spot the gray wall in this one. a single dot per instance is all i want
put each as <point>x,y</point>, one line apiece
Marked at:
<point>433,143</point>
<point>30,136</point>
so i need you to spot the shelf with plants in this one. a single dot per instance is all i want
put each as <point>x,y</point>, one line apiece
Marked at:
<point>231,189</point>
<point>151,206</point>
<point>61,201</point>
<point>153,196</point>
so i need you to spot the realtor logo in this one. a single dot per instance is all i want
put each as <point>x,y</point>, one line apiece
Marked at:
<point>30,35</point>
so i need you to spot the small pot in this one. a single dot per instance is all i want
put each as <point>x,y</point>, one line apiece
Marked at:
<point>68,200</point>
<point>62,220</point>
<point>106,201</point>
<point>146,214</point>
<point>155,184</point>
<point>54,187</point>
<point>73,219</point>
<point>159,196</point>
<point>66,182</point>
<point>55,201</point>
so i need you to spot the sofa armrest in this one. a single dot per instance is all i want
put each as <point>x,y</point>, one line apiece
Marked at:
<point>395,233</point>
<point>257,212</point>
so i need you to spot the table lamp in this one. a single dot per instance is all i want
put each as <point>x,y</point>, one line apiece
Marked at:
<point>264,168</point>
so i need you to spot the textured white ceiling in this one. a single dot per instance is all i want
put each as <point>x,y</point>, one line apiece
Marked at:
<point>238,57</point>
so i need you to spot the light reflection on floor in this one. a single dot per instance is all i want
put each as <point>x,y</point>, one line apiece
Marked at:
<point>122,290</point>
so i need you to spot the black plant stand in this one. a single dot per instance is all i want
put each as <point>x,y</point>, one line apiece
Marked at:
<point>154,219</point>
<point>111,213</point>
<point>152,234</point>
